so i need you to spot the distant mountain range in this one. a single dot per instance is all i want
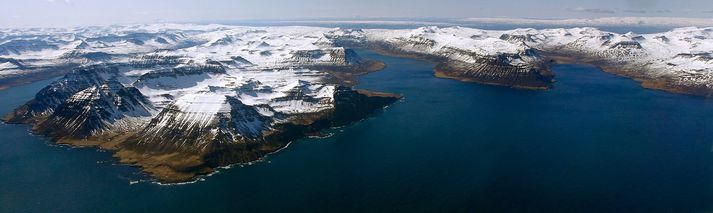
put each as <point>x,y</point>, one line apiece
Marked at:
<point>572,22</point>
<point>606,21</point>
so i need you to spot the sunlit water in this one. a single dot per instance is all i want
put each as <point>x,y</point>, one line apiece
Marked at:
<point>596,142</point>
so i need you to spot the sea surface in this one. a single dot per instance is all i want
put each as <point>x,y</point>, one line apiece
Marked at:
<point>596,142</point>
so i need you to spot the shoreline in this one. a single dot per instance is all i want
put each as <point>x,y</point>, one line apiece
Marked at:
<point>442,74</point>
<point>35,75</point>
<point>181,167</point>
<point>440,63</point>
<point>154,165</point>
<point>643,81</point>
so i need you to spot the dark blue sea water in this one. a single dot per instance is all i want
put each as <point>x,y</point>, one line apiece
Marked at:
<point>594,143</point>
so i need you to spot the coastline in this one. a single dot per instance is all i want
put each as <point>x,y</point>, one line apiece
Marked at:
<point>623,71</point>
<point>179,167</point>
<point>542,79</point>
<point>38,74</point>
<point>387,153</point>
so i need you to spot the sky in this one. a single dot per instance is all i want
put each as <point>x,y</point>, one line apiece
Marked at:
<point>62,13</point>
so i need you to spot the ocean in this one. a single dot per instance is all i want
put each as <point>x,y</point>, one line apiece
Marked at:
<point>596,142</point>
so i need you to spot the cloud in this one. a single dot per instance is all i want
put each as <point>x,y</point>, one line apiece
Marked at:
<point>636,11</point>
<point>592,10</point>
<point>641,3</point>
<point>663,11</point>
<point>641,11</point>
<point>612,11</point>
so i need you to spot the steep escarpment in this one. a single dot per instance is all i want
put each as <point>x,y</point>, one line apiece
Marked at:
<point>501,69</point>
<point>526,77</point>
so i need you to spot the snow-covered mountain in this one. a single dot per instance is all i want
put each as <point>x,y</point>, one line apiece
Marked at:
<point>215,94</point>
<point>462,53</point>
<point>180,99</point>
<point>679,60</point>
